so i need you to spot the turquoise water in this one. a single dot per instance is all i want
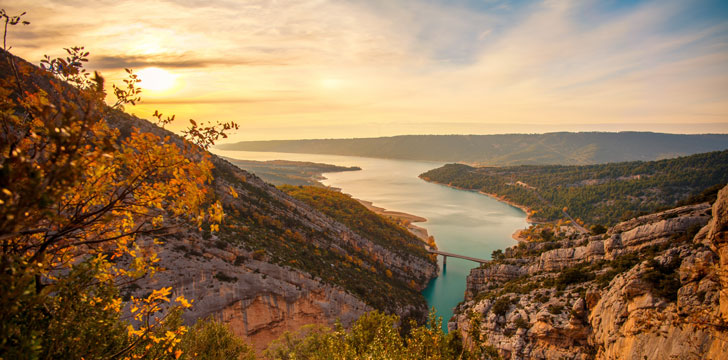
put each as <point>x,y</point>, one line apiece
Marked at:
<point>462,222</point>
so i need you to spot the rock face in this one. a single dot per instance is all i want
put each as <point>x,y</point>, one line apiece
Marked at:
<point>654,287</point>
<point>275,263</point>
<point>717,238</point>
<point>262,302</point>
<point>261,295</point>
<point>242,276</point>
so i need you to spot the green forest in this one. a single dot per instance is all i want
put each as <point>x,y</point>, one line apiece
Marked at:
<point>597,194</point>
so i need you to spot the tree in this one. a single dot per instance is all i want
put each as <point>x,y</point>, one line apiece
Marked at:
<point>211,340</point>
<point>82,206</point>
<point>373,336</point>
<point>598,229</point>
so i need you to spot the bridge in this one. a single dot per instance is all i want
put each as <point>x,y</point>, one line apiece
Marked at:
<point>446,254</point>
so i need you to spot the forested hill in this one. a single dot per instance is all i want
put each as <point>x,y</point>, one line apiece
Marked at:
<point>563,148</point>
<point>598,194</point>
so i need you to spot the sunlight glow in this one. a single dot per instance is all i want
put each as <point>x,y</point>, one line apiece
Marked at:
<point>331,83</point>
<point>156,79</point>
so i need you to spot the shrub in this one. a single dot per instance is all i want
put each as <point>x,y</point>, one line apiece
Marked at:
<point>224,277</point>
<point>259,254</point>
<point>373,336</point>
<point>211,340</point>
<point>573,275</point>
<point>221,244</point>
<point>598,229</point>
<point>501,306</point>
<point>521,323</point>
<point>556,309</point>
<point>663,279</point>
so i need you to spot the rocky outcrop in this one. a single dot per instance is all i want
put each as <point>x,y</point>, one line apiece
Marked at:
<point>274,263</point>
<point>654,287</point>
<point>244,276</point>
<point>252,291</point>
<point>717,238</point>
<point>258,300</point>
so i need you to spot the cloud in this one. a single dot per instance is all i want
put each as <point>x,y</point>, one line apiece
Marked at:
<point>492,64</point>
<point>177,61</point>
<point>229,100</point>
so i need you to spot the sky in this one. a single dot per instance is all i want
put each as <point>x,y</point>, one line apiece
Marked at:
<point>348,68</point>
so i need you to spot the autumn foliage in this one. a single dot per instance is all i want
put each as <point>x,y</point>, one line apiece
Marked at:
<point>81,207</point>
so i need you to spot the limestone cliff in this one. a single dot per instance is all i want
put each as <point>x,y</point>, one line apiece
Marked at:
<point>654,287</point>
<point>275,263</point>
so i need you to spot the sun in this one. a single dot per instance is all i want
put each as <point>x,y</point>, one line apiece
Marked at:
<point>155,79</point>
<point>330,83</point>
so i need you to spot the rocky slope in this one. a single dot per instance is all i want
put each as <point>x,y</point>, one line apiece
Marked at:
<point>654,287</point>
<point>276,263</point>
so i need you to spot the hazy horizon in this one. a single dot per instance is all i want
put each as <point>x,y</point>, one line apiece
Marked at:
<point>341,69</point>
<point>474,134</point>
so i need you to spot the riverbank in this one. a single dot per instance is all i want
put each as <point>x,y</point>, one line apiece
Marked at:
<point>529,212</point>
<point>524,208</point>
<point>401,217</point>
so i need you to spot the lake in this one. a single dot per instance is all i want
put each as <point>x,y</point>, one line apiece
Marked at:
<point>462,222</point>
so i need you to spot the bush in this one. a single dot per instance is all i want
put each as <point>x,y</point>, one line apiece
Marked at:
<point>224,277</point>
<point>573,275</point>
<point>373,336</point>
<point>501,306</point>
<point>542,298</point>
<point>556,309</point>
<point>598,229</point>
<point>211,340</point>
<point>521,323</point>
<point>663,279</point>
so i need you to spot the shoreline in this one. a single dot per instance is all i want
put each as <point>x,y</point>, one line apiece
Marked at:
<point>405,218</point>
<point>517,234</point>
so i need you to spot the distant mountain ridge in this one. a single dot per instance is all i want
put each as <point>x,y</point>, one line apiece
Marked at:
<point>564,148</point>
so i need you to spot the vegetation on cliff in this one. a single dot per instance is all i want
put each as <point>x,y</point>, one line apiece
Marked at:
<point>358,270</point>
<point>280,172</point>
<point>631,292</point>
<point>93,199</point>
<point>81,204</point>
<point>597,194</point>
<point>366,223</point>
<point>376,336</point>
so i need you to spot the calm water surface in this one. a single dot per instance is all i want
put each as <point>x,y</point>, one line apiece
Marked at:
<point>462,222</point>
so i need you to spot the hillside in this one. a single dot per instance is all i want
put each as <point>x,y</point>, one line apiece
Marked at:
<point>561,148</point>
<point>280,172</point>
<point>276,263</point>
<point>597,194</point>
<point>357,217</point>
<point>652,287</point>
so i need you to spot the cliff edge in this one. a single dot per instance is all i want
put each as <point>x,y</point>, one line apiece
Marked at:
<point>654,287</point>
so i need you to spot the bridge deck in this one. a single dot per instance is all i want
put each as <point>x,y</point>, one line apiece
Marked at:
<point>443,253</point>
